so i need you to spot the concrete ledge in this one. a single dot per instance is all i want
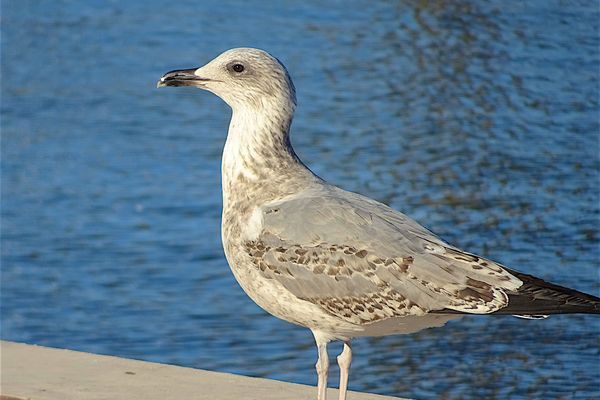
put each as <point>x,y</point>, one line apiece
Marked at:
<point>42,373</point>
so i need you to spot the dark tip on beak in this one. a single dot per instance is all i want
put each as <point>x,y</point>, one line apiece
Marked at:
<point>181,77</point>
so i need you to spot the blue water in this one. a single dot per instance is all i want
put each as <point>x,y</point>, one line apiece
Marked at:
<point>479,119</point>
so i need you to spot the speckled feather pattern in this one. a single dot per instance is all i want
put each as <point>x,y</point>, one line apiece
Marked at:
<point>295,242</point>
<point>359,266</point>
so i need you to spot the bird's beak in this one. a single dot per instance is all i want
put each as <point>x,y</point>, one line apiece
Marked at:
<point>181,77</point>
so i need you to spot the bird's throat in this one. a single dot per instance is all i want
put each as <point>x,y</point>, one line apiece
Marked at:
<point>258,152</point>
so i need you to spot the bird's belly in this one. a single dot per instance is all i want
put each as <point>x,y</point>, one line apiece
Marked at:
<point>406,324</point>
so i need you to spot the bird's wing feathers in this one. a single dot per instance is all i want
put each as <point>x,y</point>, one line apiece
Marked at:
<point>364,261</point>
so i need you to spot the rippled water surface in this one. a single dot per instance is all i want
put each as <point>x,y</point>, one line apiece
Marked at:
<point>479,119</point>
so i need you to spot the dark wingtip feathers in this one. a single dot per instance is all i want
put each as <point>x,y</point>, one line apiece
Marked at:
<point>538,297</point>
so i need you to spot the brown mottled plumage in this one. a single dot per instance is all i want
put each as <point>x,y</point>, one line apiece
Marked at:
<point>337,262</point>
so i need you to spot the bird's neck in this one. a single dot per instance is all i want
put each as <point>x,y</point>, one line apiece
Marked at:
<point>258,158</point>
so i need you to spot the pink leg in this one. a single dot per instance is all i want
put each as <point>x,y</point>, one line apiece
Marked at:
<point>322,364</point>
<point>322,371</point>
<point>344,360</point>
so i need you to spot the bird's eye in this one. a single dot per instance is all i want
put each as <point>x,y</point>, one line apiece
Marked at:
<point>238,68</point>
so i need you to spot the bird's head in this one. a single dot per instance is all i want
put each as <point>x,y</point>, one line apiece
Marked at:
<point>242,77</point>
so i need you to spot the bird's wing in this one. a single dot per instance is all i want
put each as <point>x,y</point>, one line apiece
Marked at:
<point>363,261</point>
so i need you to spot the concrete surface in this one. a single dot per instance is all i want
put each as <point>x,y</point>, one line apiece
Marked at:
<point>42,373</point>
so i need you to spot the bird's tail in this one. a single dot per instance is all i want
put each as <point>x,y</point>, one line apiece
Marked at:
<point>537,297</point>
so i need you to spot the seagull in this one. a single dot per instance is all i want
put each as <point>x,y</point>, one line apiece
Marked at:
<point>336,262</point>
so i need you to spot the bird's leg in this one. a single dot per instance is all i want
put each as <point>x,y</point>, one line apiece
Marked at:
<point>344,360</point>
<point>322,370</point>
